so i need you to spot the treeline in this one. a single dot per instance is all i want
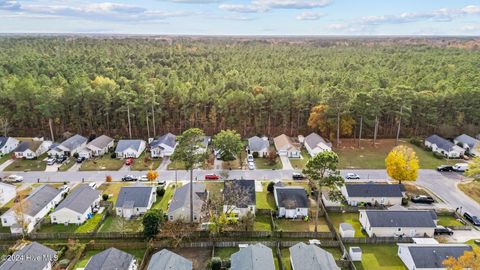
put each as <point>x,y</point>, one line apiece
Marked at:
<point>91,86</point>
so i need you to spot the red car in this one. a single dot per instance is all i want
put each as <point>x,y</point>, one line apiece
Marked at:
<point>129,161</point>
<point>211,177</point>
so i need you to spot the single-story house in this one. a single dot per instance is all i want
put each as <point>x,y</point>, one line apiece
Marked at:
<point>164,146</point>
<point>291,201</point>
<point>77,206</point>
<point>97,147</point>
<point>384,194</point>
<point>394,223</point>
<point>7,193</point>
<point>315,144</point>
<point>167,260</point>
<point>311,257</point>
<point>36,206</point>
<point>7,145</point>
<point>179,208</point>
<point>69,147</point>
<point>444,147</point>
<point>429,256</point>
<point>26,258</point>
<point>134,200</point>
<point>258,145</point>
<point>470,144</point>
<point>204,143</point>
<point>31,149</point>
<point>130,148</point>
<point>286,147</point>
<point>253,257</point>
<point>112,258</point>
<point>239,197</point>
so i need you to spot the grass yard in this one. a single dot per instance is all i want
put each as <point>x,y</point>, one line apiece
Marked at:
<point>265,200</point>
<point>104,163</point>
<point>299,163</point>
<point>471,189</point>
<point>264,164</point>
<point>262,223</point>
<point>287,225</point>
<point>119,224</point>
<point>28,164</point>
<point>448,221</point>
<point>351,218</point>
<point>380,257</point>
<point>143,164</point>
<point>415,190</point>
<point>285,254</point>
<point>67,165</point>
<point>225,253</point>
<point>162,202</point>
<point>5,158</point>
<point>86,227</point>
<point>176,165</point>
<point>4,229</point>
<point>112,189</point>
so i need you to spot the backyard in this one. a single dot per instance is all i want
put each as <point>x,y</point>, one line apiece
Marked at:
<point>446,220</point>
<point>471,189</point>
<point>299,163</point>
<point>162,202</point>
<point>104,163</point>
<point>225,253</point>
<point>138,253</point>
<point>262,223</point>
<point>351,218</point>
<point>28,164</point>
<point>380,257</point>
<point>144,163</point>
<point>119,224</point>
<point>265,199</point>
<point>88,226</point>
<point>287,225</point>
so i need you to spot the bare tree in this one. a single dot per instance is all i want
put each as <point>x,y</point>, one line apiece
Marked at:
<point>20,209</point>
<point>5,126</point>
<point>177,231</point>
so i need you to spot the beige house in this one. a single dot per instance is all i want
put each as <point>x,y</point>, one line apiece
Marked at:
<point>397,223</point>
<point>287,147</point>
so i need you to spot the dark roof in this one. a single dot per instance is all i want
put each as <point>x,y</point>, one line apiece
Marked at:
<point>167,139</point>
<point>401,218</point>
<point>440,142</point>
<point>80,199</point>
<point>31,250</point>
<point>139,195</point>
<point>74,142</point>
<point>233,189</point>
<point>101,142</point>
<point>311,257</point>
<point>167,260</point>
<point>291,197</point>
<point>257,144</point>
<point>374,190</point>
<point>432,256</point>
<point>470,141</point>
<point>123,145</point>
<point>3,141</point>
<point>39,198</point>
<point>181,197</point>
<point>254,257</point>
<point>314,139</point>
<point>32,145</point>
<point>110,259</point>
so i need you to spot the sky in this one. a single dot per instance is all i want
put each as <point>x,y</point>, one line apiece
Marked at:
<point>243,17</point>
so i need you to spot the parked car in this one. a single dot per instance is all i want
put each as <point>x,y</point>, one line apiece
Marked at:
<point>352,176</point>
<point>297,176</point>
<point>61,159</point>
<point>143,178</point>
<point>445,168</point>
<point>50,161</point>
<point>251,166</point>
<point>423,199</point>
<point>250,158</point>
<point>460,167</point>
<point>472,219</point>
<point>129,178</point>
<point>81,159</point>
<point>211,177</point>
<point>129,161</point>
<point>162,183</point>
<point>13,178</point>
<point>440,230</point>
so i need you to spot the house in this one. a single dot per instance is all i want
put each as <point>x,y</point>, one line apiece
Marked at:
<point>291,201</point>
<point>383,194</point>
<point>286,147</point>
<point>167,260</point>
<point>443,146</point>
<point>134,200</point>
<point>204,143</point>
<point>253,257</point>
<point>110,259</point>
<point>179,208</point>
<point>31,149</point>
<point>395,223</point>
<point>315,144</point>
<point>7,193</point>
<point>429,256</point>
<point>130,148</point>
<point>164,146</point>
<point>311,257</point>
<point>239,197</point>
<point>470,144</point>
<point>258,145</point>
<point>7,145</point>
<point>77,206</point>
<point>97,147</point>
<point>69,147</point>
<point>36,206</point>
<point>26,258</point>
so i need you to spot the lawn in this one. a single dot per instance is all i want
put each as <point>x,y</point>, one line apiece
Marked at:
<point>299,163</point>
<point>145,163</point>
<point>162,202</point>
<point>262,223</point>
<point>119,224</point>
<point>28,164</point>
<point>67,165</point>
<point>285,254</point>
<point>448,221</point>
<point>104,163</point>
<point>471,189</point>
<point>112,189</point>
<point>5,158</point>
<point>225,253</point>
<point>351,218</point>
<point>380,257</point>
<point>264,164</point>
<point>176,165</point>
<point>86,227</point>
<point>265,200</point>
<point>412,189</point>
<point>288,225</point>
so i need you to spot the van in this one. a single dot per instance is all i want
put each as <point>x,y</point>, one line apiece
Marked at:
<point>460,167</point>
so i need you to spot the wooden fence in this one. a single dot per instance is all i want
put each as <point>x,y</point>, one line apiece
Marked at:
<point>351,209</point>
<point>377,240</point>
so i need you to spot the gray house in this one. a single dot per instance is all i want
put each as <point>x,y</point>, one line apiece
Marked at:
<point>259,145</point>
<point>164,146</point>
<point>167,260</point>
<point>97,147</point>
<point>311,257</point>
<point>315,144</point>
<point>470,144</point>
<point>179,208</point>
<point>385,194</point>
<point>77,206</point>
<point>70,146</point>
<point>443,146</point>
<point>429,256</point>
<point>291,201</point>
<point>395,223</point>
<point>254,257</point>
<point>134,200</point>
<point>110,259</point>
<point>32,250</point>
<point>130,148</point>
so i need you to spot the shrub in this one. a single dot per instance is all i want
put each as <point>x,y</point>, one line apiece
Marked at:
<point>416,141</point>
<point>105,197</point>
<point>404,201</point>
<point>113,155</point>
<point>75,155</point>
<point>255,154</point>
<point>226,263</point>
<point>270,187</point>
<point>216,263</point>
<point>160,191</point>
<point>438,155</point>
<point>108,178</point>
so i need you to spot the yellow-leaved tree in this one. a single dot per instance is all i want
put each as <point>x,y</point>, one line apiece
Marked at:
<point>469,260</point>
<point>402,164</point>
<point>152,175</point>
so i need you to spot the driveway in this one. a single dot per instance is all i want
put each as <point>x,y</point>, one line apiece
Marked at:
<point>124,168</point>
<point>75,167</point>
<point>52,168</point>
<point>164,164</point>
<point>286,163</point>
<point>6,164</point>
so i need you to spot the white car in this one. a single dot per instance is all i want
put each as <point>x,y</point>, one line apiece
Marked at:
<point>251,166</point>
<point>460,167</point>
<point>352,176</point>
<point>143,178</point>
<point>14,178</point>
<point>50,161</point>
<point>250,158</point>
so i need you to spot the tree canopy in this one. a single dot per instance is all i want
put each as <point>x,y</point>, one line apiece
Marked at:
<point>402,164</point>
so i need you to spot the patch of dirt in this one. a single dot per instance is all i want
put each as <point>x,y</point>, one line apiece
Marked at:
<point>198,256</point>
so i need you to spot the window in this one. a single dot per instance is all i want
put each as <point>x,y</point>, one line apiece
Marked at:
<point>399,229</point>
<point>78,218</point>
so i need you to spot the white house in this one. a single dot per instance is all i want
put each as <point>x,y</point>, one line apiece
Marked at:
<point>7,145</point>
<point>315,144</point>
<point>130,148</point>
<point>239,197</point>
<point>395,223</point>
<point>7,193</point>
<point>69,147</point>
<point>31,149</point>
<point>310,257</point>
<point>32,256</point>
<point>77,206</point>
<point>258,145</point>
<point>444,147</point>
<point>36,206</point>
<point>470,144</point>
<point>384,194</point>
<point>135,200</point>
<point>253,257</point>
<point>179,208</point>
<point>164,146</point>
<point>97,147</point>
<point>286,147</point>
<point>291,201</point>
<point>112,258</point>
<point>429,256</point>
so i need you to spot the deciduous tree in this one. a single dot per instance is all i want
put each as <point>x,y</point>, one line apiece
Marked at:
<point>402,164</point>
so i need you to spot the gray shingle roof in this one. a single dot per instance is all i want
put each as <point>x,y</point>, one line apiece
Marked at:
<point>123,145</point>
<point>432,256</point>
<point>254,257</point>
<point>110,259</point>
<point>80,199</point>
<point>167,260</point>
<point>33,250</point>
<point>101,142</point>
<point>314,139</point>
<point>181,197</point>
<point>311,257</point>
<point>401,218</point>
<point>234,189</point>
<point>139,195</point>
<point>3,141</point>
<point>40,198</point>
<point>291,197</point>
<point>440,142</point>
<point>167,139</point>
<point>257,144</point>
<point>32,145</point>
<point>346,227</point>
<point>374,190</point>
<point>470,141</point>
<point>74,142</point>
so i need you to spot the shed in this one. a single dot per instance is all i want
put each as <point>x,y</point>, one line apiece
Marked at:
<point>355,254</point>
<point>346,230</point>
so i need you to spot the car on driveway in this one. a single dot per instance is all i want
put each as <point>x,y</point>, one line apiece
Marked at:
<point>50,161</point>
<point>297,176</point>
<point>440,230</point>
<point>460,167</point>
<point>211,177</point>
<point>129,178</point>
<point>129,161</point>
<point>13,178</point>
<point>251,166</point>
<point>81,159</point>
<point>472,219</point>
<point>423,199</point>
<point>250,158</point>
<point>445,168</point>
<point>61,159</point>
<point>352,176</point>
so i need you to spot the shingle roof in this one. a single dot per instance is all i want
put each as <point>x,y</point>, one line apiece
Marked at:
<point>283,142</point>
<point>401,218</point>
<point>167,139</point>
<point>123,145</point>
<point>257,144</point>
<point>181,197</point>
<point>39,198</point>
<point>374,190</point>
<point>167,260</point>
<point>139,195</point>
<point>31,145</point>
<point>432,256</point>
<point>311,257</point>
<point>440,142</point>
<point>314,139</point>
<point>291,197</point>
<point>234,189</point>
<point>470,141</point>
<point>74,142</point>
<point>346,227</point>
<point>101,142</point>
<point>80,199</point>
<point>3,141</point>
<point>32,250</point>
<point>110,259</point>
<point>254,257</point>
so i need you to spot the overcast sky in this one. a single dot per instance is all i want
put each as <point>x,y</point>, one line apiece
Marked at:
<point>243,17</point>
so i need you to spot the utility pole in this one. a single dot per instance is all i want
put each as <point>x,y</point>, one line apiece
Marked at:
<point>399,123</point>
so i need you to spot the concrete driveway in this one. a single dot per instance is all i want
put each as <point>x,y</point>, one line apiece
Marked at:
<point>6,164</point>
<point>52,168</point>
<point>164,164</point>
<point>75,167</point>
<point>286,163</point>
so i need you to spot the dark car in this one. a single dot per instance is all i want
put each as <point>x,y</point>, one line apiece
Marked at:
<point>472,219</point>
<point>298,176</point>
<point>61,159</point>
<point>440,230</point>
<point>445,168</point>
<point>423,199</point>
<point>129,178</point>
<point>81,159</point>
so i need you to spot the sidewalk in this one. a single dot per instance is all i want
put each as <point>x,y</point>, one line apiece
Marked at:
<point>6,164</point>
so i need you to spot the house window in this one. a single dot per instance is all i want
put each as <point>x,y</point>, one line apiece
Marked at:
<point>78,218</point>
<point>399,229</point>
<point>4,220</point>
<point>137,209</point>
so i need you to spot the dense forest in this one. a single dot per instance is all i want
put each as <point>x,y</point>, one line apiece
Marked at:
<point>98,85</point>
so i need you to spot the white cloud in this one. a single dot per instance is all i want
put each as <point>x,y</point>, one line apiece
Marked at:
<point>311,16</point>
<point>471,9</point>
<point>470,28</point>
<point>257,6</point>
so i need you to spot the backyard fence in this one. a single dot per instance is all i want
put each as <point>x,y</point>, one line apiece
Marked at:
<point>97,235</point>
<point>376,240</point>
<point>351,209</point>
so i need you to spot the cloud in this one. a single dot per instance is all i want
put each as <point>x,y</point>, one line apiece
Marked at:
<point>470,28</point>
<point>471,9</point>
<point>310,16</point>
<point>257,6</point>
<point>9,5</point>
<point>194,1</point>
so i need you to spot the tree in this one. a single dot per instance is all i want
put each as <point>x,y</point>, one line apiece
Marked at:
<point>177,231</point>
<point>338,101</point>
<point>228,143</point>
<point>271,187</point>
<point>272,157</point>
<point>151,221</point>
<point>469,260</point>
<point>402,164</point>
<point>322,172</point>
<point>152,175</point>
<point>21,217</point>
<point>474,167</point>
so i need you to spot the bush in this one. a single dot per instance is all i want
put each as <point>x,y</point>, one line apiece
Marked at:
<point>160,191</point>
<point>105,197</point>
<point>75,155</point>
<point>270,187</point>
<point>404,201</point>
<point>113,155</point>
<point>226,263</point>
<point>438,155</point>
<point>416,141</point>
<point>108,178</point>
<point>255,154</point>
<point>216,263</point>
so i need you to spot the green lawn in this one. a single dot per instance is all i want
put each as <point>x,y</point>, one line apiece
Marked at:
<point>262,223</point>
<point>140,164</point>
<point>265,200</point>
<point>263,163</point>
<point>4,229</point>
<point>288,225</point>
<point>448,221</point>
<point>67,165</point>
<point>176,165</point>
<point>380,257</point>
<point>298,163</point>
<point>104,163</point>
<point>225,253</point>
<point>119,224</point>
<point>28,164</point>
<point>5,158</point>
<point>351,218</point>
<point>112,189</point>
<point>86,227</point>
<point>162,202</point>
<point>285,254</point>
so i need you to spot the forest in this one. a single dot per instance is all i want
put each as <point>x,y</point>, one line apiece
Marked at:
<point>255,86</point>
